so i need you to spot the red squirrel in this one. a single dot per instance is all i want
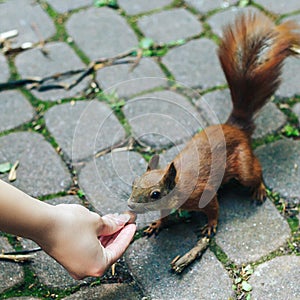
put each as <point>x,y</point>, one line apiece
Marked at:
<point>251,54</point>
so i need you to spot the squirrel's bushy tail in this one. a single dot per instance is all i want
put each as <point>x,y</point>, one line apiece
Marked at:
<point>251,54</point>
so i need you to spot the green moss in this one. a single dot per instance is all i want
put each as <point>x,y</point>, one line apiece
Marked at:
<point>52,196</point>
<point>271,138</point>
<point>116,104</point>
<point>219,253</point>
<point>32,287</point>
<point>61,33</point>
<point>294,223</point>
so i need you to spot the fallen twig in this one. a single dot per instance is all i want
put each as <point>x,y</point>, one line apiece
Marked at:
<point>51,82</point>
<point>178,264</point>
<point>20,255</point>
<point>12,176</point>
<point>16,257</point>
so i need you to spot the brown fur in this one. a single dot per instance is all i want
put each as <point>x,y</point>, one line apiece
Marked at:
<point>251,54</point>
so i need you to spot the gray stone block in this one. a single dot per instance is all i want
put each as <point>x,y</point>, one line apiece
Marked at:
<point>107,292</point>
<point>149,261</point>
<point>203,6</point>
<point>215,108</point>
<point>221,19</point>
<point>68,5</point>
<point>247,232</point>
<point>279,7</point>
<point>23,298</point>
<point>119,78</point>
<point>50,272</point>
<point>290,78</point>
<point>4,75</point>
<point>170,25</point>
<point>101,32</point>
<point>84,128</point>
<point>280,162</point>
<point>60,58</point>
<point>296,110</point>
<point>195,64</point>
<point>14,110</point>
<point>32,23</point>
<point>268,120</point>
<point>133,7</point>
<point>276,279</point>
<point>162,119</point>
<point>41,170</point>
<point>107,182</point>
<point>10,272</point>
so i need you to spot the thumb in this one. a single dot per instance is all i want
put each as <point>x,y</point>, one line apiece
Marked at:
<point>112,223</point>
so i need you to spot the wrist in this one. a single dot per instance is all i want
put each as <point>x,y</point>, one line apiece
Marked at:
<point>42,222</point>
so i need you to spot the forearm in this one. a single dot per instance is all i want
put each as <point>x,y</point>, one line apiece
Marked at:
<point>21,214</point>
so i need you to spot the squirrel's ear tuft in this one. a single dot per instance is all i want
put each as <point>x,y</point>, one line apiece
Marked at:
<point>170,176</point>
<point>153,164</point>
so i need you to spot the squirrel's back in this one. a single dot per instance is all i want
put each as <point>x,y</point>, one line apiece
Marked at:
<point>251,54</point>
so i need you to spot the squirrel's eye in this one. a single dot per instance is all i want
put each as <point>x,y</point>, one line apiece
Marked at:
<point>155,194</point>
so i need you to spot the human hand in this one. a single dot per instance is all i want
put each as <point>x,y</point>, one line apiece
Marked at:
<point>84,243</point>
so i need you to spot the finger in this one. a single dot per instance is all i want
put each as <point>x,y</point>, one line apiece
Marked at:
<point>121,242</point>
<point>104,240</point>
<point>109,224</point>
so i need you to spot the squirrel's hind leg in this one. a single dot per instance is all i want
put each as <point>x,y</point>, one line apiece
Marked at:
<point>249,174</point>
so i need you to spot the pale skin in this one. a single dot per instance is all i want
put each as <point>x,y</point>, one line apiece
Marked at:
<point>83,242</point>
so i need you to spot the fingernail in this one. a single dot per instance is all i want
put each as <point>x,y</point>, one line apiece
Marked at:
<point>121,219</point>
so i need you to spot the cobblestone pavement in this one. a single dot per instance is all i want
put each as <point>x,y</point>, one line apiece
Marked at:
<point>63,141</point>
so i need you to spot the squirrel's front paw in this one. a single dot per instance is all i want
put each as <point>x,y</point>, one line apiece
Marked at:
<point>209,230</point>
<point>154,228</point>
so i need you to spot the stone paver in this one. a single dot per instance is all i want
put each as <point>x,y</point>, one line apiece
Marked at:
<point>14,110</point>
<point>133,7</point>
<point>68,5</point>
<point>269,120</point>
<point>10,272</point>
<point>173,118</point>
<point>107,180</point>
<point>107,292</point>
<point>204,6</point>
<point>280,162</point>
<point>216,106</point>
<point>23,298</point>
<point>126,82</point>
<point>50,272</point>
<point>84,128</point>
<point>195,64</point>
<point>290,83</point>
<point>4,68</point>
<point>279,8</point>
<point>277,279</point>
<point>32,23</point>
<point>296,110</point>
<point>41,171</point>
<point>60,58</point>
<point>246,231</point>
<point>149,261</point>
<point>220,19</point>
<point>108,33</point>
<point>163,27</point>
